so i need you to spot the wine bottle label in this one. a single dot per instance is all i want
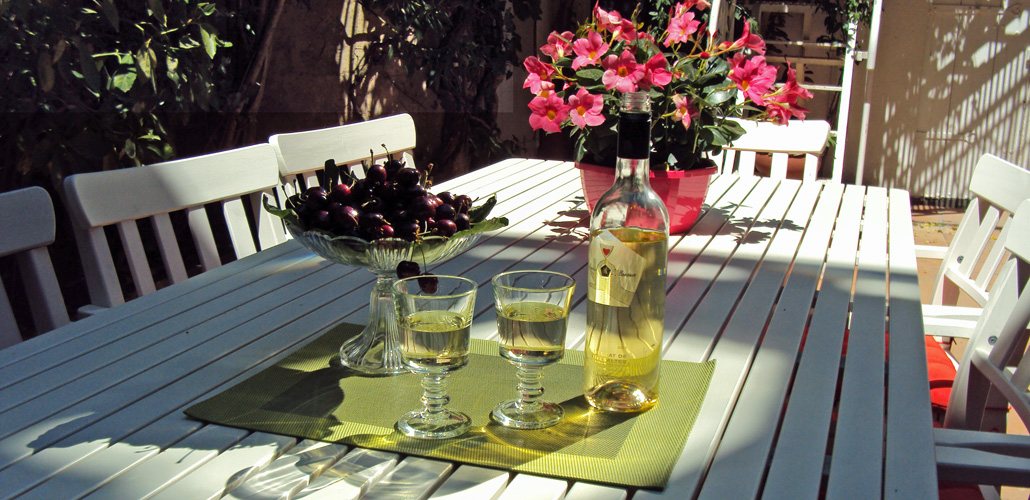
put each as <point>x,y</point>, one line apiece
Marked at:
<point>614,271</point>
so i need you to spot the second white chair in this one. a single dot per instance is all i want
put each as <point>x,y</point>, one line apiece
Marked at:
<point>234,179</point>
<point>807,138</point>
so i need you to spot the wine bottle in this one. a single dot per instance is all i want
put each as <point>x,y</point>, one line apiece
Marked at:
<point>626,275</point>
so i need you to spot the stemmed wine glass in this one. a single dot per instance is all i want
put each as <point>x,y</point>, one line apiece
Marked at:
<point>435,315</point>
<point>532,318</point>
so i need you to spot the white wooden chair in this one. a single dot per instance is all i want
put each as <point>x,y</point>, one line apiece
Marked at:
<point>798,137</point>
<point>302,155</point>
<point>998,187</point>
<point>986,373</point>
<point>234,179</point>
<point>28,227</point>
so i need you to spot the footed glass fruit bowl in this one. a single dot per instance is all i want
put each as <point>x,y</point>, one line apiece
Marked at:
<point>377,350</point>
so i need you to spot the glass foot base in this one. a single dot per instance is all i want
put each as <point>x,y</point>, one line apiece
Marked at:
<point>445,425</point>
<point>542,414</point>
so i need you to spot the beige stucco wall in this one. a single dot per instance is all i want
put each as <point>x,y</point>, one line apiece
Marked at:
<point>952,82</point>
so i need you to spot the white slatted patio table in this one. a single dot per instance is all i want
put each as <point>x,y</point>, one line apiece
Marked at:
<point>95,408</point>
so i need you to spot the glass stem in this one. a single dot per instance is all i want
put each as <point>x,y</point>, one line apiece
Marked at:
<point>530,387</point>
<point>434,395</point>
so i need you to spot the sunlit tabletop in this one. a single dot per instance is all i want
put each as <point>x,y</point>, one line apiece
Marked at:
<point>95,409</point>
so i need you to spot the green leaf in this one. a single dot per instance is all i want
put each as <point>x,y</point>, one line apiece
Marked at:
<point>111,12</point>
<point>143,62</point>
<point>173,64</point>
<point>207,8</point>
<point>89,68</point>
<point>158,11</point>
<point>592,74</point>
<point>719,97</point>
<point>479,214</point>
<point>209,40</point>
<point>130,148</point>
<point>123,80</point>
<point>46,72</point>
<point>283,213</point>
<point>482,227</point>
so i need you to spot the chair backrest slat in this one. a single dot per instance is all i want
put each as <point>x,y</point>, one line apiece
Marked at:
<point>136,255</point>
<point>998,188</point>
<point>122,197</point>
<point>29,226</point>
<point>168,247</point>
<point>999,335</point>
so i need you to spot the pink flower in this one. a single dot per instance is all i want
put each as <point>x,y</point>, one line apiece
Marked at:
<point>752,76</point>
<point>546,88</point>
<point>557,45</point>
<point>588,50</point>
<point>749,41</point>
<point>538,72</point>
<point>685,111</point>
<point>621,72</point>
<point>585,109</point>
<point>680,28</point>
<point>655,72</point>
<point>783,104</point>
<point>547,113</point>
<point>609,21</point>
<point>689,4</point>
<point>626,31</point>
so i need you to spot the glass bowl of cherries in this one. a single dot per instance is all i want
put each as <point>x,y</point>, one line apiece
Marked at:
<point>387,222</point>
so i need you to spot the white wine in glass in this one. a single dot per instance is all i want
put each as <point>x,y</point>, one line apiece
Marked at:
<point>434,336</point>
<point>532,317</point>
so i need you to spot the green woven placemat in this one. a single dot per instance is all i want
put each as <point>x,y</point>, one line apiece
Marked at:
<point>310,395</point>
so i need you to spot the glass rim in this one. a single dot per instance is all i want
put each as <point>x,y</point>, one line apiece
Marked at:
<point>570,284</point>
<point>396,287</point>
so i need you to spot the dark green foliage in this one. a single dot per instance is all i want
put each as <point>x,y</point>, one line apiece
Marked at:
<point>87,82</point>
<point>462,49</point>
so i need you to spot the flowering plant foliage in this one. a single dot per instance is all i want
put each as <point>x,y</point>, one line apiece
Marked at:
<point>692,79</point>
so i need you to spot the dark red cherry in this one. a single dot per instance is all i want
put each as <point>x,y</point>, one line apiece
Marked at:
<point>446,228</point>
<point>345,216</point>
<point>462,203</point>
<point>316,196</point>
<point>445,212</point>
<point>340,194</point>
<point>407,177</point>
<point>407,269</point>
<point>429,283</point>
<point>447,197</point>
<point>422,208</point>
<point>321,219</point>
<point>412,192</point>
<point>383,231</point>
<point>376,174</point>
<point>462,222</point>
<point>407,230</point>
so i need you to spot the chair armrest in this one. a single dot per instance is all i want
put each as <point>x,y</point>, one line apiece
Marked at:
<point>90,310</point>
<point>982,457</point>
<point>950,321</point>
<point>930,252</point>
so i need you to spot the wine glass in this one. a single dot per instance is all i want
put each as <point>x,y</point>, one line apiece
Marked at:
<point>435,316</point>
<point>376,351</point>
<point>532,318</point>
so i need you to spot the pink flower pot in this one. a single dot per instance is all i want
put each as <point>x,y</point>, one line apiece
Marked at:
<point>683,191</point>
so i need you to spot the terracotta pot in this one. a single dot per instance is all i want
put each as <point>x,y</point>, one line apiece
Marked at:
<point>795,165</point>
<point>683,191</point>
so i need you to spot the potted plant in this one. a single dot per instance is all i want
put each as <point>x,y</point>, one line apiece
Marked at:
<point>693,80</point>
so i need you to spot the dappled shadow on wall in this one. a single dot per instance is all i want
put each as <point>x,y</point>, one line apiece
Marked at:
<point>965,95</point>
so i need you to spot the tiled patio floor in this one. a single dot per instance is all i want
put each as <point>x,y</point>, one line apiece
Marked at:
<point>936,226</point>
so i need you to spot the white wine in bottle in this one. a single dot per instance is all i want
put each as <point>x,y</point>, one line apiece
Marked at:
<point>626,276</point>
